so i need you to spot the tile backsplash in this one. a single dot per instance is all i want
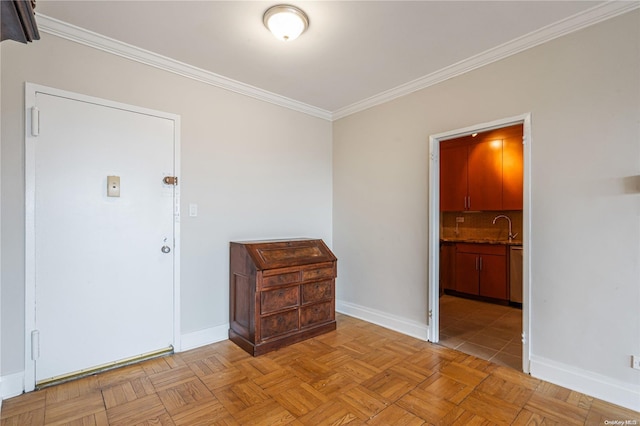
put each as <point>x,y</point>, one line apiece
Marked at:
<point>478,225</point>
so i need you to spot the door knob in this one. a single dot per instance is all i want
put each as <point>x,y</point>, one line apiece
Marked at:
<point>165,249</point>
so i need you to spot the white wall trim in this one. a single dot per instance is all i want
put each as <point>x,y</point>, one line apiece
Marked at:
<point>566,26</point>
<point>76,34</point>
<point>593,384</point>
<point>11,385</point>
<point>205,337</point>
<point>14,385</point>
<point>434,225</point>
<point>384,319</point>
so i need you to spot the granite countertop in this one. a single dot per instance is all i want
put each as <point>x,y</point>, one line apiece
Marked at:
<point>481,241</point>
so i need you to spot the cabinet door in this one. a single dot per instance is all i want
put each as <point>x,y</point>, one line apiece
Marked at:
<point>485,175</point>
<point>447,266</point>
<point>453,177</point>
<point>512,173</point>
<point>467,273</point>
<point>493,276</point>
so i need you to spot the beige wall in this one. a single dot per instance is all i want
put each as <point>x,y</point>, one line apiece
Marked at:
<point>583,93</point>
<point>255,170</point>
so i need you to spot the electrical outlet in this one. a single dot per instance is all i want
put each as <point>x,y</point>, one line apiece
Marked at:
<point>635,362</point>
<point>460,219</point>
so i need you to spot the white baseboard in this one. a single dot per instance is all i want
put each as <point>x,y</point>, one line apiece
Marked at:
<point>384,319</point>
<point>205,337</point>
<point>11,385</point>
<point>602,387</point>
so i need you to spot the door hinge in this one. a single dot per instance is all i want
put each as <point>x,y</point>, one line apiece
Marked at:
<point>35,345</point>
<point>430,313</point>
<point>35,121</point>
<point>171,180</point>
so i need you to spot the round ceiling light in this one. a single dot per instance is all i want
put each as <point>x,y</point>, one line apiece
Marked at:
<point>286,22</point>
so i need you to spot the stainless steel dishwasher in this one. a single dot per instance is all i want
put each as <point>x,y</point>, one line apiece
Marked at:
<point>515,274</point>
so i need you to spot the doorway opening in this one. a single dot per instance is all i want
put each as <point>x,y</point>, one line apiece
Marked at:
<point>479,239</point>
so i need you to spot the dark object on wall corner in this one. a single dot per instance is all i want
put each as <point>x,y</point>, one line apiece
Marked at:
<point>18,20</point>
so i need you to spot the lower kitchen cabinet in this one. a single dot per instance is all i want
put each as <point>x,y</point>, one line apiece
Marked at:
<point>481,270</point>
<point>447,266</point>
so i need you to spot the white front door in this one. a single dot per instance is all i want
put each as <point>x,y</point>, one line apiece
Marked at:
<point>103,265</point>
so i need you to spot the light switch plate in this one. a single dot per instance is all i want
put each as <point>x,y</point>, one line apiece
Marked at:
<point>193,210</point>
<point>113,186</point>
<point>635,362</point>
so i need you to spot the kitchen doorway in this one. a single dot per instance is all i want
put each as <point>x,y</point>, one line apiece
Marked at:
<point>470,244</point>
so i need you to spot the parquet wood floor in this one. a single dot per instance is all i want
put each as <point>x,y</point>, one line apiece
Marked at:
<point>361,374</point>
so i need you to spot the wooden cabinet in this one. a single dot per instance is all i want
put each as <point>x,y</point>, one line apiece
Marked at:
<point>482,172</point>
<point>481,270</point>
<point>485,175</point>
<point>453,176</point>
<point>512,172</point>
<point>447,266</point>
<point>281,292</point>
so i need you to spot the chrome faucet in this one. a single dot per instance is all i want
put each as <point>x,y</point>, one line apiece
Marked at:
<point>511,236</point>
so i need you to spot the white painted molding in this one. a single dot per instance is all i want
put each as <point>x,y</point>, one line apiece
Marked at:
<point>384,319</point>
<point>11,385</point>
<point>593,384</point>
<point>205,337</point>
<point>566,26</point>
<point>76,34</point>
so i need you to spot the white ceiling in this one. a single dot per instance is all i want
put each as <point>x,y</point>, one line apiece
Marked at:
<point>352,51</point>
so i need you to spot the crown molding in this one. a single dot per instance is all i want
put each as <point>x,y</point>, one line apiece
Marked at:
<point>89,38</point>
<point>594,15</point>
<point>563,27</point>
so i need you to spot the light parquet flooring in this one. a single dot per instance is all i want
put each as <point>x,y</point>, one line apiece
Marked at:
<point>360,374</point>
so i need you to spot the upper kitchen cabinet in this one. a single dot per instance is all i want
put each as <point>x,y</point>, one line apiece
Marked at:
<point>512,167</point>
<point>453,176</point>
<point>482,172</point>
<point>485,175</point>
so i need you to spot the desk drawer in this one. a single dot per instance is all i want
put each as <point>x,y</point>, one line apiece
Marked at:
<point>281,279</point>
<point>276,300</point>
<point>315,292</point>
<point>318,274</point>
<point>316,314</point>
<point>276,324</point>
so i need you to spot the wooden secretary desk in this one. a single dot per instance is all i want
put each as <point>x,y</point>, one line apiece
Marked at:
<point>281,292</point>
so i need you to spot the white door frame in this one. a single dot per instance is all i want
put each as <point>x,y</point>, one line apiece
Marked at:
<point>30,253</point>
<point>434,226</point>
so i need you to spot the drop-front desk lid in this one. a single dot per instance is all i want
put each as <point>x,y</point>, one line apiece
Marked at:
<point>269,254</point>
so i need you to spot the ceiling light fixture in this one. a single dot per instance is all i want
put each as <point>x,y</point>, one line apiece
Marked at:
<point>286,22</point>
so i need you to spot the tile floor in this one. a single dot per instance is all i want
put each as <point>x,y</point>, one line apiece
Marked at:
<point>485,330</point>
